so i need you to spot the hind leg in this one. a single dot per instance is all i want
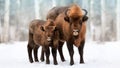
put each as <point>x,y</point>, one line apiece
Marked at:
<point>30,53</point>
<point>36,53</point>
<point>60,50</point>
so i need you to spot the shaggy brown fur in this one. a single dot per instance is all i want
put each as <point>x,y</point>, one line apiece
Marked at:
<point>72,26</point>
<point>55,11</point>
<point>45,34</point>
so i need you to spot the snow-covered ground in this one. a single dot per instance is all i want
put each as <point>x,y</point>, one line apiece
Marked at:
<point>96,55</point>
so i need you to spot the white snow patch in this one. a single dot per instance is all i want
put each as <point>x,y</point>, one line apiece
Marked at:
<point>102,55</point>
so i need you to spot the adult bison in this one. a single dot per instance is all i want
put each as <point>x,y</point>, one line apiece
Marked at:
<point>45,34</point>
<point>72,27</point>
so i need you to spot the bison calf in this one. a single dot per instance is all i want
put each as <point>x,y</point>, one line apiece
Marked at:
<point>45,34</point>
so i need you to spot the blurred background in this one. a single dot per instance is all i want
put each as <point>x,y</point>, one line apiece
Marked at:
<point>15,15</point>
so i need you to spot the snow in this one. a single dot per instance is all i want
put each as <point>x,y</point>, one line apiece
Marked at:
<point>96,55</point>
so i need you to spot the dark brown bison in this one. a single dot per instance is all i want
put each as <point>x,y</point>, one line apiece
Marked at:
<point>45,34</point>
<point>72,27</point>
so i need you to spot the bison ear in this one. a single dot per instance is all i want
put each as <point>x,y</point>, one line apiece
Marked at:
<point>42,28</point>
<point>85,18</point>
<point>66,19</point>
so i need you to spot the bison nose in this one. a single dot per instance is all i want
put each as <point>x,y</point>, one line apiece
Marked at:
<point>49,39</point>
<point>75,32</point>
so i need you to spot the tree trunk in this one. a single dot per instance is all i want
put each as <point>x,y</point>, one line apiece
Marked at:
<point>0,30</point>
<point>95,19</point>
<point>108,20</point>
<point>118,19</point>
<point>6,22</point>
<point>103,19</point>
<point>86,5</point>
<point>37,12</point>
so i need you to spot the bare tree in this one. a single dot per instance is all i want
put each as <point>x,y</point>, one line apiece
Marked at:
<point>108,20</point>
<point>91,16</point>
<point>6,22</point>
<point>37,13</point>
<point>0,30</point>
<point>118,20</point>
<point>95,22</point>
<point>103,19</point>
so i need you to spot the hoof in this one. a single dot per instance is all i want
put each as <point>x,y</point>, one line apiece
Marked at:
<point>63,60</point>
<point>71,63</point>
<point>81,62</point>
<point>36,61</point>
<point>42,60</point>
<point>56,63</point>
<point>47,62</point>
<point>31,61</point>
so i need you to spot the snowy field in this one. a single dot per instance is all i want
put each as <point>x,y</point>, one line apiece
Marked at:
<point>96,55</point>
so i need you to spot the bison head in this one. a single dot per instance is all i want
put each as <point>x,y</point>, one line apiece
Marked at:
<point>50,30</point>
<point>75,16</point>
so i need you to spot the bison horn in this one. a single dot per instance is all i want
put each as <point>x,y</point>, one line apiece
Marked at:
<point>66,12</point>
<point>85,12</point>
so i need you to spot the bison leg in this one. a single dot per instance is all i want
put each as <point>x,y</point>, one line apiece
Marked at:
<point>80,49</point>
<point>47,52</point>
<point>71,52</point>
<point>36,53</point>
<point>60,50</point>
<point>42,55</point>
<point>30,53</point>
<point>54,52</point>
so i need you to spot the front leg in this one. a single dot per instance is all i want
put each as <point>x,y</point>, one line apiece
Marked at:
<point>54,53</point>
<point>47,52</point>
<point>42,55</point>
<point>71,51</point>
<point>60,51</point>
<point>80,49</point>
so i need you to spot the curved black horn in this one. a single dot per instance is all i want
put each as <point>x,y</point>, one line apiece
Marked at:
<point>85,11</point>
<point>66,12</point>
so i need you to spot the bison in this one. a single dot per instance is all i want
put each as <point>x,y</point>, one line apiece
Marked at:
<point>45,34</point>
<point>52,14</point>
<point>72,27</point>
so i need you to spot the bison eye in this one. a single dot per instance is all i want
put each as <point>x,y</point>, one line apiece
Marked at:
<point>55,29</point>
<point>66,19</point>
<point>42,28</point>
